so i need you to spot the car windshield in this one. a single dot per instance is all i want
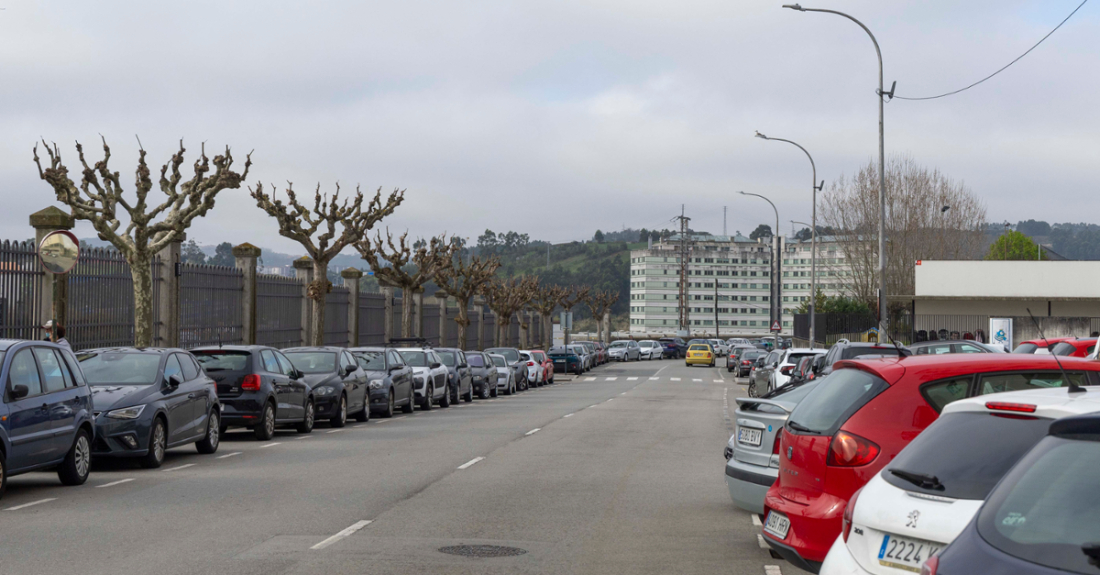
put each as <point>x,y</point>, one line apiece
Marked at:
<point>795,357</point>
<point>946,451</point>
<point>120,368</point>
<point>699,347</point>
<point>1065,348</point>
<point>618,344</point>
<point>1042,511</point>
<point>219,360</point>
<point>474,360</point>
<point>448,358</point>
<point>827,407</point>
<point>509,354</point>
<point>499,361</point>
<point>372,360</point>
<point>313,361</point>
<point>415,358</point>
<point>1025,348</point>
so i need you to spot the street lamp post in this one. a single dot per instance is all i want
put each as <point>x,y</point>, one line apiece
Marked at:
<point>775,265</point>
<point>813,235</point>
<point>883,317</point>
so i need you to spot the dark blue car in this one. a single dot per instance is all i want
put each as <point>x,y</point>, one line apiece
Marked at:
<point>1044,515</point>
<point>566,360</point>
<point>46,417</point>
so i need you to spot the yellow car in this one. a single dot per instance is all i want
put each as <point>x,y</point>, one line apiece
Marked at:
<point>699,354</point>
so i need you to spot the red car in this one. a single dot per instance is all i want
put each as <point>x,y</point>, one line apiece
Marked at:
<point>1076,347</point>
<point>1039,346</point>
<point>858,419</point>
<point>547,365</point>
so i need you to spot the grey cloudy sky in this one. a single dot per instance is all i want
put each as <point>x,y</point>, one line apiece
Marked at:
<point>555,118</point>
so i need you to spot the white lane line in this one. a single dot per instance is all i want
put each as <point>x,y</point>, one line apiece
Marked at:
<point>610,378</point>
<point>567,415</point>
<point>266,445</point>
<point>696,380</point>
<point>304,437</point>
<point>381,421</point>
<point>760,541</point>
<point>355,527</point>
<point>228,455</point>
<point>654,378</point>
<point>334,431</point>
<point>180,467</point>
<point>533,431</point>
<point>674,378</point>
<point>632,379</point>
<point>662,369</point>
<point>358,426</point>
<point>609,399</point>
<point>590,379</point>
<point>772,570</point>
<point>469,463</point>
<point>26,505</point>
<point>719,381</point>
<point>113,483</point>
<point>756,521</point>
<point>623,393</point>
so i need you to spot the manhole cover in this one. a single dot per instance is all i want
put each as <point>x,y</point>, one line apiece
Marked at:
<point>482,551</point>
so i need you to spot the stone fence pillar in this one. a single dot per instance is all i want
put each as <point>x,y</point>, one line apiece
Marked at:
<point>303,270</point>
<point>54,294</point>
<point>351,281</point>
<point>245,256</point>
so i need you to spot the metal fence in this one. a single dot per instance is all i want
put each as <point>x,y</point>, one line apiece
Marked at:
<point>278,311</point>
<point>101,300</point>
<point>336,316</point>
<point>210,305</point>
<point>20,291</point>
<point>489,332</point>
<point>430,323</point>
<point>372,313</point>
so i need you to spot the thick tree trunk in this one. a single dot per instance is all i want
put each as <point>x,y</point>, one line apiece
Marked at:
<point>407,305</point>
<point>317,311</point>
<point>547,332</point>
<point>142,274</point>
<point>463,320</point>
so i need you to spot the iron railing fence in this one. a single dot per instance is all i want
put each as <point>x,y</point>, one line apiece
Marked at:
<point>20,291</point>
<point>336,316</point>
<point>101,300</point>
<point>471,330</point>
<point>490,331</point>
<point>372,314</point>
<point>278,311</point>
<point>430,323</point>
<point>210,305</point>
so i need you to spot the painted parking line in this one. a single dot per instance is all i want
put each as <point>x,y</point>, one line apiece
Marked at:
<point>334,431</point>
<point>609,399</point>
<point>567,415</point>
<point>179,467</point>
<point>346,532</point>
<point>756,521</point>
<point>760,541</point>
<point>674,378</point>
<point>632,379</point>
<point>654,378</point>
<point>610,378</point>
<point>304,437</point>
<point>32,503</point>
<point>696,379</point>
<point>623,393</point>
<point>590,379</point>
<point>113,483</point>
<point>470,463</point>
<point>772,570</point>
<point>719,381</point>
<point>228,455</point>
<point>381,421</point>
<point>266,445</point>
<point>533,431</point>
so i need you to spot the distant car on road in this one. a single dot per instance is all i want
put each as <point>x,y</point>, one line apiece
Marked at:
<point>506,378</point>
<point>650,349</point>
<point>954,346</point>
<point>742,359</point>
<point>720,347</point>
<point>518,366</point>
<point>429,377</point>
<point>566,360</point>
<point>533,368</point>
<point>483,373</point>
<point>338,384</point>
<point>390,381</point>
<point>674,347</point>
<point>458,373</point>
<point>625,350</point>
<point>700,354</point>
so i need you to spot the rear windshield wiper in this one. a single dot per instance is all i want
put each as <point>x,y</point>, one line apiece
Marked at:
<point>799,427</point>
<point>921,480</point>
<point>209,369</point>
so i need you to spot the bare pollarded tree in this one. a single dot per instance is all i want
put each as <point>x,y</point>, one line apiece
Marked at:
<point>917,225</point>
<point>99,196</point>
<point>464,280</point>
<point>406,267</point>
<point>506,297</point>
<point>599,302</point>
<point>545,301</point>
<point>573,296</point>
<point>340,224</point>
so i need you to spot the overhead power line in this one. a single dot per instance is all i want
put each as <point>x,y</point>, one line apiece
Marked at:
<point>1020,57</point>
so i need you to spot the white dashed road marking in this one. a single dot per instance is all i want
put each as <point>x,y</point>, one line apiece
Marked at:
<point>383,420</point>
<point>674,378</point>
<point>228,455</point>
<point>654,378</point>
<point>304,437</point>
<point>718,381</point>
<point>470,462</point>
<point>760,541</point>
<point>632,379</point>
<point>334,431</point>
<point>26,505</point>
<point>533,431</point>
<point>772,570</point>
<point>355,527</point>
<point>567,415</point>
<point>187,465</point>
<point>266,445</point>
<point>590,379</point>
<point>610,378</point>
<point>696,380</point>
<point>113,483</point>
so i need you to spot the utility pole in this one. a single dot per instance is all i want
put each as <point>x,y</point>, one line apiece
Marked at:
<point>724,221</point>
<point>716,333</point>
<point>685,256</point>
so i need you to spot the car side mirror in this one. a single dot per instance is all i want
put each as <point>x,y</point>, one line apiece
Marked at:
<point>435,365</point>
<point>19,391</point>
<point>295,374</point>
<point>394,368</point>
<point>462,366</point>
<point>173,381</point>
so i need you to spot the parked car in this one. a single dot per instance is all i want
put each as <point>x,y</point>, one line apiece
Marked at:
<point>788,359</point>
<point>258,388</point>
<point>149,400</point>
<point>700,354</point>
<point>533,369</point>
<point>753,463</point>
<point>625,350</point>
<point>506,378</point>
<point>566,360</point>
<point>742,358</point>
<point>675,348</point>
<point>459,379</point>
<point>338,384</point>
<point>593,354</point>
<point>429,377</point>
<point>804,370</point>
<point>899,519</point>
<point>844,349</point>
<point>952,346</point>
<point>1039,346</point>
<point>482,373</point>
<point>1076,347</point>
<point>546,366</point>
<point>389,380</point>
<point>1042,518</point>
<point>848,428</point>
<point>738,342</point>
<point>601,352</point>
<point>519,367</point>
<point>720,347</point>
<point>761,380</point>
<point>37,375</point>
<point>650,349</point>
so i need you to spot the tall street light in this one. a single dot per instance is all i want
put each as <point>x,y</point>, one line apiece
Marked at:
<point>883,318</point>
<point>775,262</point>
<point>813,234</point>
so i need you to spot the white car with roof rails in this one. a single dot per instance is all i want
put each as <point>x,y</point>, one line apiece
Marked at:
<point>721,348</point>
<point>920,502</point>
<point>429,376</point>
<point>651,349</point>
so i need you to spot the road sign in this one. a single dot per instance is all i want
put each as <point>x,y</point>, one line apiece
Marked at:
<point>567,319</point>
<point>775,326</point>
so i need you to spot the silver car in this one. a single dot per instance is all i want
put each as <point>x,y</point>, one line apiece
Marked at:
<point>506,378</point>
<point>429,377</point>
<point>624,350</point>
<point>752,455</point>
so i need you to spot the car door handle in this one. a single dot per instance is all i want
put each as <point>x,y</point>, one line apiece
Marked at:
<point>190,396</point>
<point>45,407</point>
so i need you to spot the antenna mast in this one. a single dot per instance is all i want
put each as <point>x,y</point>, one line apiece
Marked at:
<point>685,257</point>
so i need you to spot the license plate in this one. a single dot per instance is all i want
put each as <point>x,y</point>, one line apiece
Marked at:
<point>905,553</point>
<point>559,361</point>
<point>777,524</point>
<point>748,436</point>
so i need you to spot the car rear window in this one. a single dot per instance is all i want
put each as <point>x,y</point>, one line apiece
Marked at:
<point>999,382</point>
<point>699,347</point>
<point>1065,348</point>
<point>1043,511</point>
<point>827,407</point>
<point>219,360</point>
<point>857,351</point>
<point>498,361</point>
<point>947,451</point>
<point>509,354</point>
<point>1025,348</point>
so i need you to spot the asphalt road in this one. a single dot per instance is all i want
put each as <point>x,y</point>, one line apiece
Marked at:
<point>618,471</point>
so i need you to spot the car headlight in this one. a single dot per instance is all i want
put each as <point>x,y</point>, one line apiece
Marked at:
<point>419,379</point>
<point>477,378</point>
<point>126,412</point>
<point>376,384</point>
<point>323,390</point>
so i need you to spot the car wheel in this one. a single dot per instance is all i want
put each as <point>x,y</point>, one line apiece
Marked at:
<point>78,462</point>
<point>265,428</point>
<point>494,392</point>
<point>484,393</point>
<point>389,407</point>
<point>469,395</point>
<point>364,416</point>
<point>752,389</point>
<point>158,443</point>
<point>445,401</point>
<point>341,417</point>
<point>508,390</point>
<point>3,474</point>
<point>411,405</point>
<point>426,401</point>
<point>209,443</point>
<point>306,425</point>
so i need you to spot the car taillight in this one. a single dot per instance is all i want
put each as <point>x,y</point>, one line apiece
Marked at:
<point>786,370</point>
<point>1005,406</point>
<point>930,566</point>
<point>251,382</point>
<point>849,512</point>
<point>530,364</point>
<point>778,438</point>
<point>850,450</point>
<point>746,362</point>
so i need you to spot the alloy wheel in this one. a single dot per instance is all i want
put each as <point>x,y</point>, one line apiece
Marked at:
<point>309,414</point>
<point>214,432</point>
<point>158,442</point>
<point>82,456</point>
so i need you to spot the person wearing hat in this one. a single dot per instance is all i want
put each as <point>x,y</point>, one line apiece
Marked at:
<point>60,334</point>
